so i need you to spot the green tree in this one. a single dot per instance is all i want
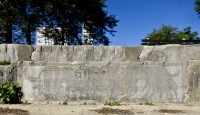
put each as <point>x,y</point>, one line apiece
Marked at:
<point>24,16</point>
<point>69,15</point>
<point>27,17</point>
<point>6,20</point>
<point>163,33</point>
<point>197,6</point>
<point>172,33</point>
<point>20,18</point>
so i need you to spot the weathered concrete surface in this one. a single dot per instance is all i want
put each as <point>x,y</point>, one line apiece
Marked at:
<point>86,53</point>
<point>170,53</point>
<point>165,53</point>
<point>14,52</point>
<point>132,53</point>
<point>102,73</point>
<point>193,81</point>
<point>103,81</point>
<point>8,72</point>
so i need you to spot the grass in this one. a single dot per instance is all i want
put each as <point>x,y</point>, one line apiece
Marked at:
<point>65,102</point>
<point>150,104</point>
<point>147,103</point>
<point>112,104</point>
<point>140,103</point>
<point>5,62</point>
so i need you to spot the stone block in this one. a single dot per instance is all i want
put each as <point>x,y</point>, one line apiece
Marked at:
<point>83,53</point>
<point>3,53</point>
<point>103,81</point>
<point>56,54</point>
<point>42,53</point>
<point>132,53</point>
<point>108,53</point>
<point>8,72</point>
<point>170,53</point>
<point>99,53</point>
<point>36,55</point>
<point>119,54</point>
<point>193,82</point>
<point>68,53</point>
<point>24,52</point>
<point>164,53</point>
<point>15,52</point>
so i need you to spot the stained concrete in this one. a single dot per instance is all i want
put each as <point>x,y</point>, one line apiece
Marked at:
<point>86,53</point>
<point>168,73</point>
<point>170,53</point>
<point>8,72</point>
<point>14,52</point>
<point>193,81</point>
<point>103,81</point>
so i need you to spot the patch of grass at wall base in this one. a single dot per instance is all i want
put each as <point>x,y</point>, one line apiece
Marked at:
<point>112,104</point>
<point>5,62</point>
<point>150,104</point>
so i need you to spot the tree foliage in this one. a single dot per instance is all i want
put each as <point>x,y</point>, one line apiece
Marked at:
<point>20,19</point>
<point>67,15</point>
<point>197,6</point>
<point>172,33</point>
<point>6,20</point>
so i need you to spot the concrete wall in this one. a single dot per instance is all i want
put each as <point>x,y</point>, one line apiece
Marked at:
<point>103,81</point>
<point>14,52</point>
<point>85,53</point>
<point>165,53</point>
<point>146,73</point>
<point>8,73</point>
<point>193,81</point>
<point>170,53</point>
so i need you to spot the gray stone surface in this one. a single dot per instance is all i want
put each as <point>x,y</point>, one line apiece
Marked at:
<point>132,53</point>
<point>24,52</point>
<point>14,52</point>
<point>86,53</point>
<point>103,81</point>
<point>8,72</point>
<point>193,81</point>
<point>170,53</point>
<point>165,53</point>
<point>168,73</point>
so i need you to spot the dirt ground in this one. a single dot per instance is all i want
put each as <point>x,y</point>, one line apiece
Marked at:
<point>93,108</point>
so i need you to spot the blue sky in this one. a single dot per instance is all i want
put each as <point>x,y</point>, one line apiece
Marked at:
<point>139,17</point>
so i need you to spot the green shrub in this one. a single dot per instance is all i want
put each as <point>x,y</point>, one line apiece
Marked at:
<point>112,104</point>
<point>65,102</point>
<point>10,93</point>
<point>5,62</point>
<point>140,103</point>
<point>150,104</point>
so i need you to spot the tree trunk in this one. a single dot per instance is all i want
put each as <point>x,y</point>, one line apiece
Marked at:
<point>26,23</point>
<point>28,33</point>
<point>9,34</point>
<point>63,36</point>
<point>63,40</point>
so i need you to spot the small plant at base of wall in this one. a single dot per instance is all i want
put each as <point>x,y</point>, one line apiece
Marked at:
<point>140,103</point>
<point>5,62</point>
<point>65,102</point>
<point>150,104</point>
<point>10,93</point>
<point>112,104</point>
